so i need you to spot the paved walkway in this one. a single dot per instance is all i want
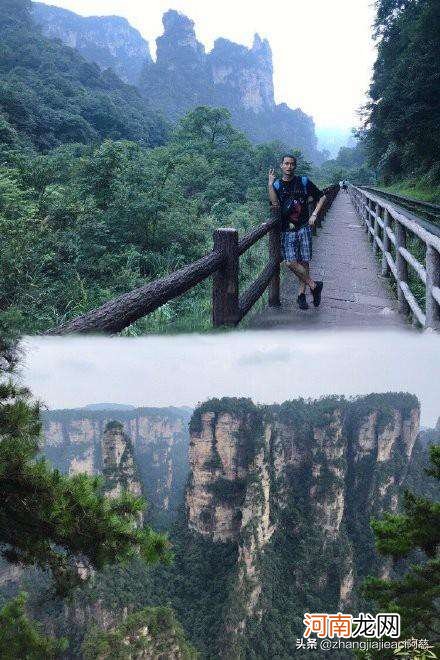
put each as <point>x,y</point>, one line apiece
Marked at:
<point>354,294</point>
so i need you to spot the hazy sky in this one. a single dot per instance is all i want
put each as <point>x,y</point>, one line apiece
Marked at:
<point>322,51</point>
<point>266,366</point>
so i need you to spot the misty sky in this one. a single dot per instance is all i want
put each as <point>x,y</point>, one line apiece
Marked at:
<point>266,366</point>
<point>322,51</point>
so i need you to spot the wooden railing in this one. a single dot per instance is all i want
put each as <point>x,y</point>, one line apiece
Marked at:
<point>427,214</point>
<point>228,306</point>
<point>406,247</point>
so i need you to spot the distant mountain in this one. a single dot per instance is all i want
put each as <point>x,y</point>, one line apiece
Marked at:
<point>110,41</point>
<point>108,406</point>
<point>231,76</point>
<point>51,95</point>
<point>184,76</point>
<point>332,139</point>
<point>431,436</point>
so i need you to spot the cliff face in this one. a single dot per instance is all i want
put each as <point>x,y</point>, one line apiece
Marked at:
<point>243,77</point>
<point>304,478</point>
<point>77,441</point>
<point>109,41</point>
<point>231,76</point>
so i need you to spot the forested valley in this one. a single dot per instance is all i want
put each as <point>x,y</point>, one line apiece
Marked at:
<point>256,502</point>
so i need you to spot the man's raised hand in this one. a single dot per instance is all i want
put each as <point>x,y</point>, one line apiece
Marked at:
<point>272,176</point>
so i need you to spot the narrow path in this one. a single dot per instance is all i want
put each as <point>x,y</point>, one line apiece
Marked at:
<point>354,294</point>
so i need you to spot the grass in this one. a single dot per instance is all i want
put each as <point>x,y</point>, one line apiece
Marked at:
<point>416,189</point>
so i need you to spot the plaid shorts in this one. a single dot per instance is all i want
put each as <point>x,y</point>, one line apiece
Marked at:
<point>297,245</point>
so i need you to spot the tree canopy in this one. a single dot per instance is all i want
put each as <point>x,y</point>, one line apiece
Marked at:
<point>82,224</point>
<point>22,638</point>
<point>403,116</point>
<point>415,534</point>
<point>60,523</point>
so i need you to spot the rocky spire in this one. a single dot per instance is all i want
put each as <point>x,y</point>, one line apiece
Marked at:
<point>118,464</point>
<point>253,469</point>
<point>262,47</point>
<point>178,42</point>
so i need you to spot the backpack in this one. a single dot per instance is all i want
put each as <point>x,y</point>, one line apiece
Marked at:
<point>289,206</point>
<point>304,181</point>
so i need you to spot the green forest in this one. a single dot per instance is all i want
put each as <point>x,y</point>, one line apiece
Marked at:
<point>403,116</point>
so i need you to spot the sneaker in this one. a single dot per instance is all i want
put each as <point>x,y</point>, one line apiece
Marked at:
<point>316,293</point>
<point>302,302</point>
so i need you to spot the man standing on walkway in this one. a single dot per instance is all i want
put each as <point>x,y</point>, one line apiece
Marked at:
<point>291,195</point>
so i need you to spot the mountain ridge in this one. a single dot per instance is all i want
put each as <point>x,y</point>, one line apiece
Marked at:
<point>184,75</point>
<point>89,35</point>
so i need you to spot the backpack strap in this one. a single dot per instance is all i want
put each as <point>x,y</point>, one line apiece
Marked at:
<point>304,180</point>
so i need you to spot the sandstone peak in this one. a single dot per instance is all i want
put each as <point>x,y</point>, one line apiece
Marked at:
<point>174,22</point>
<point>261,46</point>
<point>178,44</point>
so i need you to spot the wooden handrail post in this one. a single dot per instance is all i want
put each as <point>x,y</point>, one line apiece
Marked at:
<point>275,256</point>
<point>366,209</point>
<point>386,241</point>
<point>225,280</point>
<point>432,280</point>
<point>370,223</point>
<point>322,214</point>
<point>402,268</point>
<point>376,228</point>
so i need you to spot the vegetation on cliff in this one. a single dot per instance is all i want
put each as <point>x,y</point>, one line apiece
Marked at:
<point>62,525</point>
<point>153,632</point>
<point>329,475</point>
<point>384,405</point>
<point>413,532</point>
<point>119,471</point>
<point>50,95</point>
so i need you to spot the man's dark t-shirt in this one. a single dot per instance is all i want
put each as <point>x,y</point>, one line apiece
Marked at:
<point>292,195</point>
